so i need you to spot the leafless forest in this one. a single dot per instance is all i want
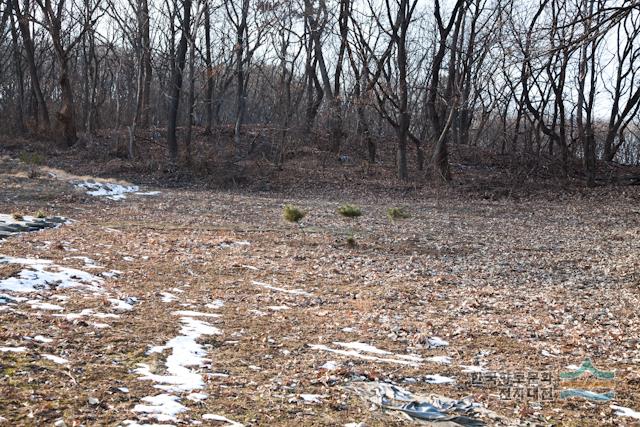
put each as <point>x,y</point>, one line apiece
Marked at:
<point>552,79</point>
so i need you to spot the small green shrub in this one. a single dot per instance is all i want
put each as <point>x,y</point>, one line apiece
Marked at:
<point>349,211</point>
<point>31,158</point>
<point>41,214</point>
<point>293,214</point>
<point>397,213</point>
<point>17,216</point>
<point>351,241</point>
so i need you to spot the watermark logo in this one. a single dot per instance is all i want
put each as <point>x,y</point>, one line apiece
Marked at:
<point>588,382</point>
<point>585,381</point>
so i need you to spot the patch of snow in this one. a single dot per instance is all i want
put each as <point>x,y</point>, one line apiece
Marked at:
<point>167,297</point>
<point>621,411</point>
<point>412,357</point>
<point>358,355</point>
<point>362,347</point>
<point>42,274</point>
<point>163,407</point>
<point>438,379</point>
<point>194,313</point>
<point>348,330</point>
<point>228,245</point>
<point>111,274</point>
<point>88,262</point>
<point>277,307</point>
<point>444,360</point>
<point>437,342</point>
<point>148,193</point>
<point>120,305</point>
<point>330,366</point>
<point>197,397</point>
<point>277,289</point>
<point>55,359</point>
<point>186,353</point>
<point>37,305</point>
<point>42,339</point>
<point>213,417</point>
<point>215,304</point>
<point>312,398</point>
<point>258,312</point>
<point>106,315</point>
<point>473,368</point>
<point>107,190</point>
<point>100,325</point>
<point>74,316</point>
<point>13,349</point>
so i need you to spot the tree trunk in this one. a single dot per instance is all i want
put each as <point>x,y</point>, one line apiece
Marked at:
<point>146,63</point>
<point>209,97</point>
<point>176,84</point>
<point>240,75</point>
<point>66,114</point>
<point>17,61</point>
<point>44,123</point>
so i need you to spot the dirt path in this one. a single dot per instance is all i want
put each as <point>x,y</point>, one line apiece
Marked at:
<point>210,306</point>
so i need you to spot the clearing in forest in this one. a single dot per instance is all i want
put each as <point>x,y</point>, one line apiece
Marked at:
<point>180,306</point>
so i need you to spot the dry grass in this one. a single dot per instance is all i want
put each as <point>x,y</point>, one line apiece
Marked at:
<point>504,282</point>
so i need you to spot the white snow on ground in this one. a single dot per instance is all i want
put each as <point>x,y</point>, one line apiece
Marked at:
<point>186,354</point>
<point>120,305</point>
<point>110,274</point>
<point>213,417</point>
<point>163,407</point>
<point>330,366</point>
<point>438,379</point>
<point>39,305</point>
<point>9,219</point>
<point>437,342</point>
<point>215,304</point>
<point>229,245</point>
<point>358,355</point>
<point>107,190</point>
<point>444,360</point>
<point>287,291</point>
<point>275,308</point>
<point>621,411</point>
<point>100,325</point>
<point>358,350</point>
<point>42,339</point>
<point>42,274</point>
<point>473,368</point>
<point>312,398</point>
<point>88,312</point>
<point>167,297</point>
<point>148,193</point>
<point>55,359</point>
<point>13,349</point>
<point>194,313</point>
<point>358,346</point>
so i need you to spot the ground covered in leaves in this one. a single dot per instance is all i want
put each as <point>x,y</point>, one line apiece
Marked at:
<point>204,307</point>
